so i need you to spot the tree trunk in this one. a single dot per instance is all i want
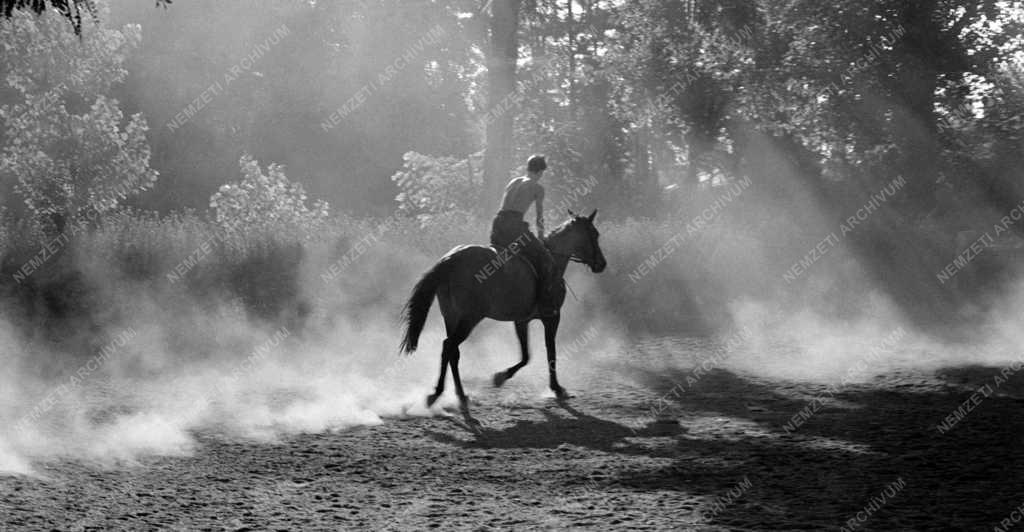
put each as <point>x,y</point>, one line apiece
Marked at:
<point>571,25</point>
<point>914,88</point>
<point>918,132</point>
<point>641,157</point>
<point>698,146</point>
<point>501,84</point>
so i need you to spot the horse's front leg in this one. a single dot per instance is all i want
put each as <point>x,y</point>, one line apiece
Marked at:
<point>523,334</point>
<point>550,330</point>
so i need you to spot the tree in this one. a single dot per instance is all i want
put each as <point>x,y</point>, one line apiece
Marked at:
<point>332,101</point>
<point>887,67</point>
<point>681,70</point>
<point>435,186</point>
<point>502,52</point>
<point>73,10</point>
<point>66,145</point>
<point>568,100</point>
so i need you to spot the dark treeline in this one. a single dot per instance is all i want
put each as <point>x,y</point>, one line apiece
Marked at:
<point>644,108</point>
<point>639,95</point>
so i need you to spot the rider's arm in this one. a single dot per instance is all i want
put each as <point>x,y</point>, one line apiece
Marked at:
<point>540,212</point>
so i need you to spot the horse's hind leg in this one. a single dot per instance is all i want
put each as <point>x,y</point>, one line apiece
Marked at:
<point>450,320</point>
<point>461,332</point>
<point>444,375</point>
<point>523,334</point>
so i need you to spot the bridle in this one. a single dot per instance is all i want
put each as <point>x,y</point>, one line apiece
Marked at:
<point>575,258</point>
<point>572,258</point>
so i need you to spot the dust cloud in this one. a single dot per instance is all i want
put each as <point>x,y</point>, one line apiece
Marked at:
<point>176,365</point>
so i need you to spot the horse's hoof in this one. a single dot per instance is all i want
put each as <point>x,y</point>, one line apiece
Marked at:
<point>499,379</point>
<point>431,399</point>
<point>560,393</point>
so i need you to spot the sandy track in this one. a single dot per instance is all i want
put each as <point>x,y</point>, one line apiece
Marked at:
<point>599,461</point>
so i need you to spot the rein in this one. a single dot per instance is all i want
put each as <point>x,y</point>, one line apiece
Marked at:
<point>572,257</point>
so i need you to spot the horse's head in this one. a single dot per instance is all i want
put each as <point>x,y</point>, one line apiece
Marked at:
<point>577,238</point>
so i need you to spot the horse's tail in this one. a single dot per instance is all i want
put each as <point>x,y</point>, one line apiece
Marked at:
<point>414,314</point>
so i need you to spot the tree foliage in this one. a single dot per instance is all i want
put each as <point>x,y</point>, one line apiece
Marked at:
<point>639,95</point>
<point>73,10</point>
<point>66,144</point>
<point>266,200</point>
<point>76,11</point>
<point>431,186</point>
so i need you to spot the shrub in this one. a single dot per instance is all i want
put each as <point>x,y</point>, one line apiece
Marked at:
<point>267,200</point>
<point>432,186</point>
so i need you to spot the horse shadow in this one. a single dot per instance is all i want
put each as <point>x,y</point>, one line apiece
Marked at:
<point>887,454</point>
<point>577,428</point>
<point>852,451</point>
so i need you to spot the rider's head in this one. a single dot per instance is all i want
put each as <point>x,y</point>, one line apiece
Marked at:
<point>536,165</point>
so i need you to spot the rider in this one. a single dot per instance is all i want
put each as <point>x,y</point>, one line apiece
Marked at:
<point>509,227</point>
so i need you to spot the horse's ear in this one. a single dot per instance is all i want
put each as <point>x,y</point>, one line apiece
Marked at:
<point>592,216</point>
<point>571,213</point>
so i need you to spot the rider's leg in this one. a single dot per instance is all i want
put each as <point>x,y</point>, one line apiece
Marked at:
<point>553,289</point>
<point>550,291</point>
<point>499,233</point>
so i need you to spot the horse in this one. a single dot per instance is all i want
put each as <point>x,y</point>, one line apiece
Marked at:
<point>476,282</point>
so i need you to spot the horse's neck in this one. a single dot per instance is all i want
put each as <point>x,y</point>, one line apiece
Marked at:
<point>561,258</point>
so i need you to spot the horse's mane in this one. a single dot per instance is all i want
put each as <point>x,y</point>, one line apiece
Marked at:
<point>563,227</point>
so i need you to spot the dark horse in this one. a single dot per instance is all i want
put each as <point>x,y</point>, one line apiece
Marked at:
<point>476,282</point>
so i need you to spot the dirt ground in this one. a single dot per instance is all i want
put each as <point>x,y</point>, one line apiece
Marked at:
<point>714,455</point>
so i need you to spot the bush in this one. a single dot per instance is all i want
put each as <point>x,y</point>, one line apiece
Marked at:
<point>262,201</point>
<point>432,186</point>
